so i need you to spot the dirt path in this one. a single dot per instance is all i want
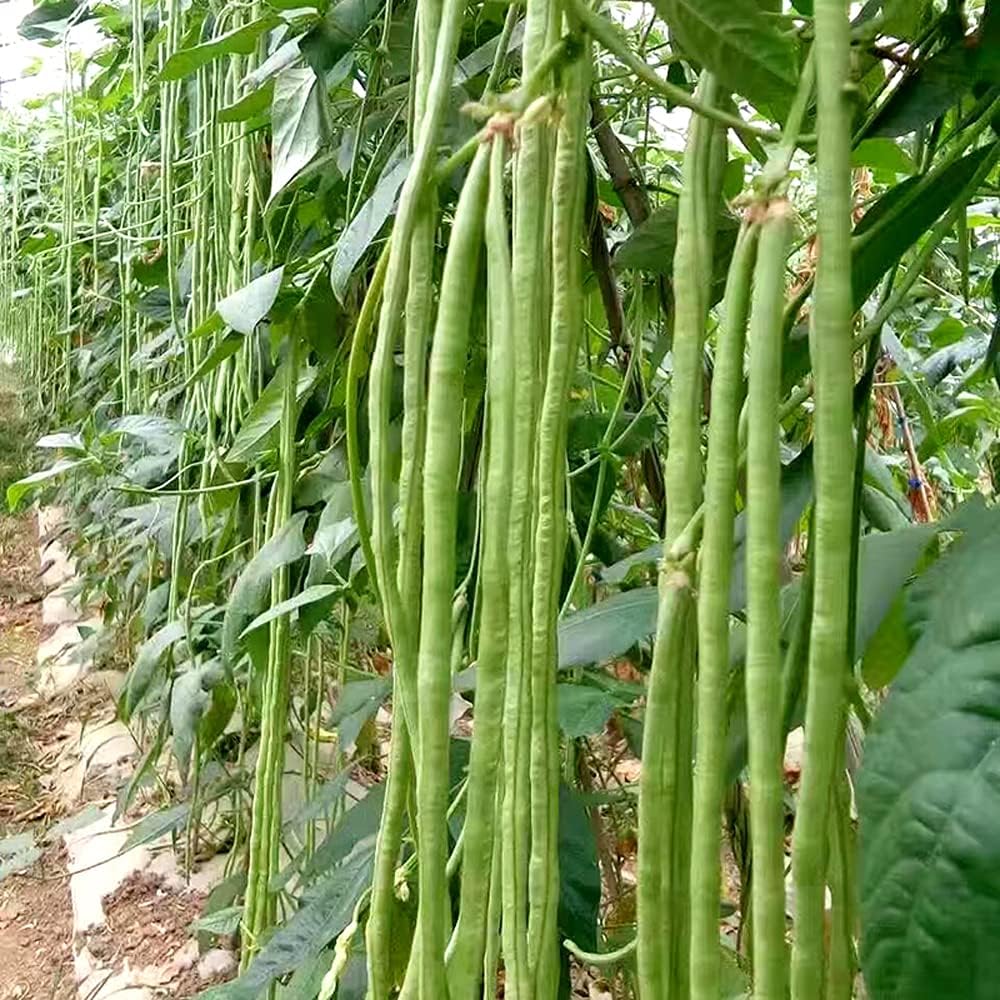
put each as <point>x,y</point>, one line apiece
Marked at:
<point>63,757</point>
<point>36,926</point>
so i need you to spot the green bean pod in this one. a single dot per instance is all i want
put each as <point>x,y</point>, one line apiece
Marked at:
<point>763,558</point>
<point>441,464</point>
<point>466,951</point>
<point>715,573</point>
<point>666,751</point>
<point>568,191</point>
<point>833,371</point>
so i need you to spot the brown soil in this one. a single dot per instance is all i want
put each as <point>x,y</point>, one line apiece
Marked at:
<point>36,926</point>
<point>36,929</point>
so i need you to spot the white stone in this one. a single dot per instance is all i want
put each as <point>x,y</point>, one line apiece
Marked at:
<point>216,963</point>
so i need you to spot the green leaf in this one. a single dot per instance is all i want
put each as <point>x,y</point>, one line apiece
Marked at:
<point>190,696</point>
<point>883,155</point>
<point>17,491</point>
<point>147,662</point>
<point>265,414</point>
<point>240,41</point>
<point>886,560</point>
<point>929,796</point>
<point>650,247</point>
<point>365,226</point>
<point>257,102</point>
<point>579,874</point>
<point>342,25</point>
<point>583,710</point>
<point>65,442</point>
<point>888,648</point>
<point>928,93</point>
<point>357,703</point>
<point>220,922</point>
<point>49,21</point>
<point>225,348</point>
<point>253,585</point>
<point>749,52</point>
<point>607,628</point>
<point>337,532</point>
<point>245,308</point>
<point>285,55</point>
<point>903,214</point>
<point>307,932</point>
<point>156,825</point>
<point>298,122</point>
<point>310,595</point>
<point>357,826</point>
<point>159,432</point>
<point>585,432</point>
<point>325,797</point>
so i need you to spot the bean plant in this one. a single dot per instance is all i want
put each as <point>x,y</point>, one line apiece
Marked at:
<point>495,436</point>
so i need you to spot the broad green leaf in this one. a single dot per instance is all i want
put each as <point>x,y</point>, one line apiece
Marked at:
<point>357,825</point>
<point>257,102</point>
<point>357,703</point>
<point>299,124</point>
<point>883,155</point>
<point>365,226</point>
<point>223,921</point>
<point>307,932</point>
<point>324,798</point>
<point>749,52</point>
<point>48,21</point>
<point>18,490</point>
<point>929,92</point>
<point>888,648</point>
<point>265,414</point>
<point>650,247</point>
<point>66,442</point>
<point>900,217</point>
<point>342,25</point>
<point>190,696</point>
<point>310,595</point>
<point>337,531</point>
<point>585,432</point>
<point>886,560</point>
<point>482,59</point>
<point>579,873</point>
<point>147,662</point>
<point>254,583</point>
<point>607,628</point>
<point>156,825</point>
<point>160,432</point>
<point>245,308</point>
<point>239,41</point>
<point>583,710</point>
<point>225,348</point>
<point>929,796</point>
<point>287,54</point>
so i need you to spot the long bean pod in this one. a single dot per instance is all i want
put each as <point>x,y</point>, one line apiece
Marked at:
<point>763,557</point>
<point>715,572</point>
<point>441,461</point>
<point>833,370</point>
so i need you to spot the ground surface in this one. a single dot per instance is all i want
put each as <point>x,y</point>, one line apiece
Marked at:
<point>148,917</point>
